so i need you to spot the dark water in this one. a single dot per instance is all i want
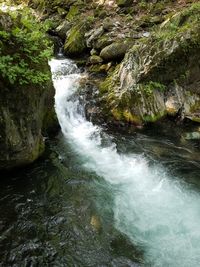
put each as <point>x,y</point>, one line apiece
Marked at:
<point>56,213</point>
<point>118,199</point>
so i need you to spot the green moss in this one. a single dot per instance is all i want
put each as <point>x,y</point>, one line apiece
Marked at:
<point>180,24</point>
<point>195,119</point>
<point>129,117</point>
<point>153,117</point>
<point>75,43</point>
<point>142,4</point>
<point>125,116</point>
<point>95,68</point>
<point>107,86</point>
<point>61,11</point>
<point>73,11</point>
<point>117,114</point>
<point>149,87</point>
<point>196,107</point>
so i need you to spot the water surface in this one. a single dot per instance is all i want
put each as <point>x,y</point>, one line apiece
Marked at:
<point>103,198</point>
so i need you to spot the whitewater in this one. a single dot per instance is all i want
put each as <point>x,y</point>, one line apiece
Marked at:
<point>157,212</point>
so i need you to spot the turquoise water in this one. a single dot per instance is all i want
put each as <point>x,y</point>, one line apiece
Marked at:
<point>101,197</point>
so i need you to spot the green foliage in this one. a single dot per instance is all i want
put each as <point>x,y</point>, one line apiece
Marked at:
<point>25,49</point>
<point>142,4</point>
<point>73,11</point>
<point>151,86</point>
<point>179,24</point>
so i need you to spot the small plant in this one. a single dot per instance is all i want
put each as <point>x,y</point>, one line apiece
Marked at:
<point>180,24</point>
<point>142,4</point>
<point>151,86</point>
<point>25,49</point>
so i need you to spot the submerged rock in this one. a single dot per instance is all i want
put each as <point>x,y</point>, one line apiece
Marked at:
<point>192,136</point>
<point>95,222</point>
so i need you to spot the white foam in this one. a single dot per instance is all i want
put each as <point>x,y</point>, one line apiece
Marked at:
<point>154,210</point>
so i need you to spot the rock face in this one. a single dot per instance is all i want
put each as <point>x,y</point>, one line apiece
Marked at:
<point>152,68</point>
<point>23,112</point>
<point>160,76</point>
<point>26,92</point>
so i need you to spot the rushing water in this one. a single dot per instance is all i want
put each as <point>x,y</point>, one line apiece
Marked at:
<point>154,210</point>
<point>107,200</point>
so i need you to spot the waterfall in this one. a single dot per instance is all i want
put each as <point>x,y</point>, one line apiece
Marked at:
<point>157,212</point>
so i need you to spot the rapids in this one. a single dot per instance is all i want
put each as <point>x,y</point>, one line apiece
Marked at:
<point>158,212</point>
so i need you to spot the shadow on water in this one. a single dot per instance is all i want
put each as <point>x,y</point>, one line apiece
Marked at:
<point>54,213</point>
<point>168,144</point>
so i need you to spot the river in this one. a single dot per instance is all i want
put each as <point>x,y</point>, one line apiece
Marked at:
<point>103,198</point>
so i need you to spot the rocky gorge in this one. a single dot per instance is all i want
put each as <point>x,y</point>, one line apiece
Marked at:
<point>142,56</point>
<point>146,53</point>
<point>99,133</point>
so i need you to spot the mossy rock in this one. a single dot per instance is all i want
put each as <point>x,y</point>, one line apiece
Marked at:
<point>115,50</point>
<point>155,69</point>
<point>95,59</point>
<point>75,43</point>
<point>102,42</point>
<point>125,115</point>
<point>108,24</point>
<point>61,11</point>
<point>95,69</point>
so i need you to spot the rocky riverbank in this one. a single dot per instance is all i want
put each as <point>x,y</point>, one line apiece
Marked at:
<point>142,58</point>
<point>146,54</point>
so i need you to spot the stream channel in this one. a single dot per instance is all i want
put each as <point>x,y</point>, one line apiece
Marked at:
<point>103,198</point>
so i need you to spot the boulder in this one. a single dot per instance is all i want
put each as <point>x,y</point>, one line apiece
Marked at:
<point>115,50</point>
<point>103,41</point>
<point>108,24</point>
<point>75,43</point>
<point>25,112</point>
<point>95,59</point>
<point>93,35</point>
